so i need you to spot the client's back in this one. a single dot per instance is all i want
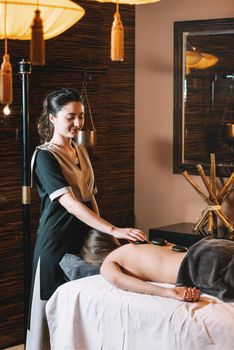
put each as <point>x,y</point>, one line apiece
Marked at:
<point>145,261</point>
<point>148,262</point>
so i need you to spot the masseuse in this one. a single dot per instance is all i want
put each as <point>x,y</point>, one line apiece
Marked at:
<point>65,181</point>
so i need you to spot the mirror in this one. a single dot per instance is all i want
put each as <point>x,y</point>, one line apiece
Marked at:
<point>204,95</point>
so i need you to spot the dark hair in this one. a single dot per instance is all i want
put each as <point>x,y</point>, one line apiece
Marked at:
<point>97,246</point>
<point>52,104</point>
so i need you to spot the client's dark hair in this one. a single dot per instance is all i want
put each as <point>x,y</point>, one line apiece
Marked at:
<point>97,246</point>
<point>52,104</point>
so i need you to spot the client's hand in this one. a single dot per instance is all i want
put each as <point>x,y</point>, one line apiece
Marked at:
<point>130,234</point>
<point>184,293</point>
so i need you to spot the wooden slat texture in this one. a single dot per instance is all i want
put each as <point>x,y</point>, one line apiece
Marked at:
<point>111,95</point>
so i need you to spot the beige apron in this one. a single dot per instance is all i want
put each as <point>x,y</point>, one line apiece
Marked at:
<point>81,180</point>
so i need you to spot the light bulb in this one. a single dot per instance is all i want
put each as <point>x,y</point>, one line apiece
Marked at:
<point>6,110</point>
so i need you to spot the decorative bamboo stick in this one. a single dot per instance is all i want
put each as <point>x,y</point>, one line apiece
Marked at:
<point>225,187</point>
<point>201,222</point>
<point>213,173</point>
<point>197,188</point>
<point>210,222</point>
<point>207,185</point>
<point>214,222</point>
<point>224,221</point>
<point>212,205</point>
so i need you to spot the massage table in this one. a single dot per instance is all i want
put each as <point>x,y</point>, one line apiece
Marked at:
<point>91,314</point>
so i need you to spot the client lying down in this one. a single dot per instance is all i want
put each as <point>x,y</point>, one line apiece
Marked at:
<point>208,266</point>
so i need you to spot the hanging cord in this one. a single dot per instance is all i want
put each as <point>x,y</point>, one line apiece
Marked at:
<point>5,46</point>
<point>84,92</point>
<point>117,6</point>
<point>5,35</point>
<point>5,11</point>
<point>228,99</point>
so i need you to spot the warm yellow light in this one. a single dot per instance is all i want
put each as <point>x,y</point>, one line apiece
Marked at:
<point>6,110</point>
<point>131,2</point>
<point>192,57</point>
<point>57,16</point>
<point>206,61</point>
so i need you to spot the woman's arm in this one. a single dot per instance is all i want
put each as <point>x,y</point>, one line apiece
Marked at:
<point>112,272</point>
<point>89,217</point>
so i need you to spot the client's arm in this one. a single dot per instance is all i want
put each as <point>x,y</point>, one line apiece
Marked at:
<point>111,271</point>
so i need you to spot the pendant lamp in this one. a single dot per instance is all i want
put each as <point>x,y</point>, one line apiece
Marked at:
<point>192,57</point>
<point>199,60</point>
<point>117,31</point>
<point>35,20</point>
<point>206,61</point>
<point>57,16</point>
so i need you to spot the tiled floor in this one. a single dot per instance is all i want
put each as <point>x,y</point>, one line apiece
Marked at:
<point>19,347</point>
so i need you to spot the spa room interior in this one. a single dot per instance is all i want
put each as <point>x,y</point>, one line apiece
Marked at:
<point>146,158</point>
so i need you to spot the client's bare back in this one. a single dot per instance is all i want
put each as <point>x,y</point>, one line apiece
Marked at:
<point>131,266</point>
<point>149,262</point>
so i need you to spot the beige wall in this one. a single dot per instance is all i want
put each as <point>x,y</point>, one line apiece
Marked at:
<point>162,197</point>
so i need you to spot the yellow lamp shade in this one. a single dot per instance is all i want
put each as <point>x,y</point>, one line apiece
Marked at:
<point>206,61</point>
<point>130,2</point>
<point>57,16</point>
<point>192,57</point>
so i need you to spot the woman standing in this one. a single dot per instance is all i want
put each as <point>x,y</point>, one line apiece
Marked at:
<point>66,186</point>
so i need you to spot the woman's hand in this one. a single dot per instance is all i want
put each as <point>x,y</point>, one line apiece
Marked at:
<point>184,293</point>
<point>130,234</point>
<point>92,218</point>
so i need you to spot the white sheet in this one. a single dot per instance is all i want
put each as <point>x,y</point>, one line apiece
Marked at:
<point>91,314</point>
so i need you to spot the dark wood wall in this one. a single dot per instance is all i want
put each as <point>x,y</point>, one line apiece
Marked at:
<point>111,95</point>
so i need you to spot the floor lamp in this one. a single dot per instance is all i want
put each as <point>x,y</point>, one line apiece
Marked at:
<point>24,69</point>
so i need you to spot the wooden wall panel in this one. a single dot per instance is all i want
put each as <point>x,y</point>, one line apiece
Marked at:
<point>111,95</point>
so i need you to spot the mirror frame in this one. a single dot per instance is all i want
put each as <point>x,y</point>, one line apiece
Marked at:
<point>179,29</point>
